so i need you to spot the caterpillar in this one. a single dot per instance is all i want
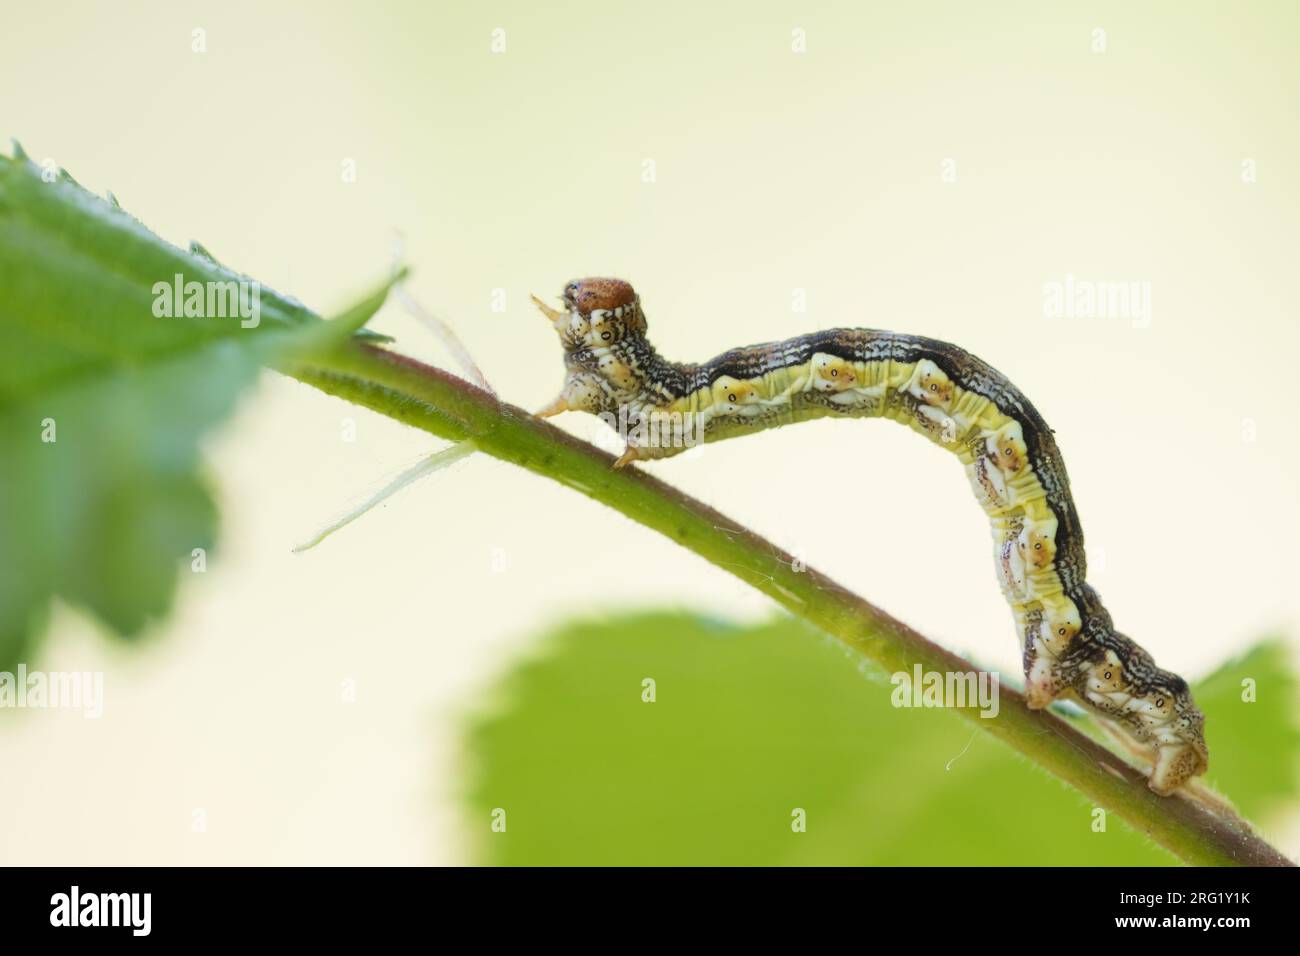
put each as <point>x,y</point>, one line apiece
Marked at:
<point>1070,646</point>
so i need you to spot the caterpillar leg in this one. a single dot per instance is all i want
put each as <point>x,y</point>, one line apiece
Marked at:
<point>1117,735</point>
<point>1175,765</point>
<point>1047,626</point>
<point>555,408</point>
<point>629,455</point>
<point>1119,680</point>
<point>1044,681</point>
<point>634,452</point>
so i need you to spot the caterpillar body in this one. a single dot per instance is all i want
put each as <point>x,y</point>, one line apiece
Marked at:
<point>1070,646</point>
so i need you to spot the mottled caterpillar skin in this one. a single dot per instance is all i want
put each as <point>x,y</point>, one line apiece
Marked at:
<point>953,398</point>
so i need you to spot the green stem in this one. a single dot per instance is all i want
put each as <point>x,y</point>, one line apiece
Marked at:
<point>444,405</point>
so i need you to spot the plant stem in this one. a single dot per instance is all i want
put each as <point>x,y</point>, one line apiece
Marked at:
<point>437,402</point>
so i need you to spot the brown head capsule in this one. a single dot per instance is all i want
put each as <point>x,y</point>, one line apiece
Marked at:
<point>598,313</point>
<point>585,296</point>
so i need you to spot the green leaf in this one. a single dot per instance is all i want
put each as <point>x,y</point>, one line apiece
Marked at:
<point>103,402</point>
<point>104,514</point>
<point>1251,728</point>
<point>749,724</point>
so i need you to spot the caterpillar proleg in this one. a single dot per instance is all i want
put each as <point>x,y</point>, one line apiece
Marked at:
<point>1070,646</point>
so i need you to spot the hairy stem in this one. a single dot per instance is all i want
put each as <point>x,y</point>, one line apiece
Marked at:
<point>444,405</point>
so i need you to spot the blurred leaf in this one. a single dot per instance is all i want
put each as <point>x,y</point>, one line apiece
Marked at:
<point>1253,743</point>
<point>750,723</point>
<point>105,514</point>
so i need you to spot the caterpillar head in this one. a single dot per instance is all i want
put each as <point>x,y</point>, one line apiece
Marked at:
<point>598,314</point>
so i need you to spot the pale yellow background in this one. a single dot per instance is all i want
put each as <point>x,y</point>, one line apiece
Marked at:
<point>774,171</point>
